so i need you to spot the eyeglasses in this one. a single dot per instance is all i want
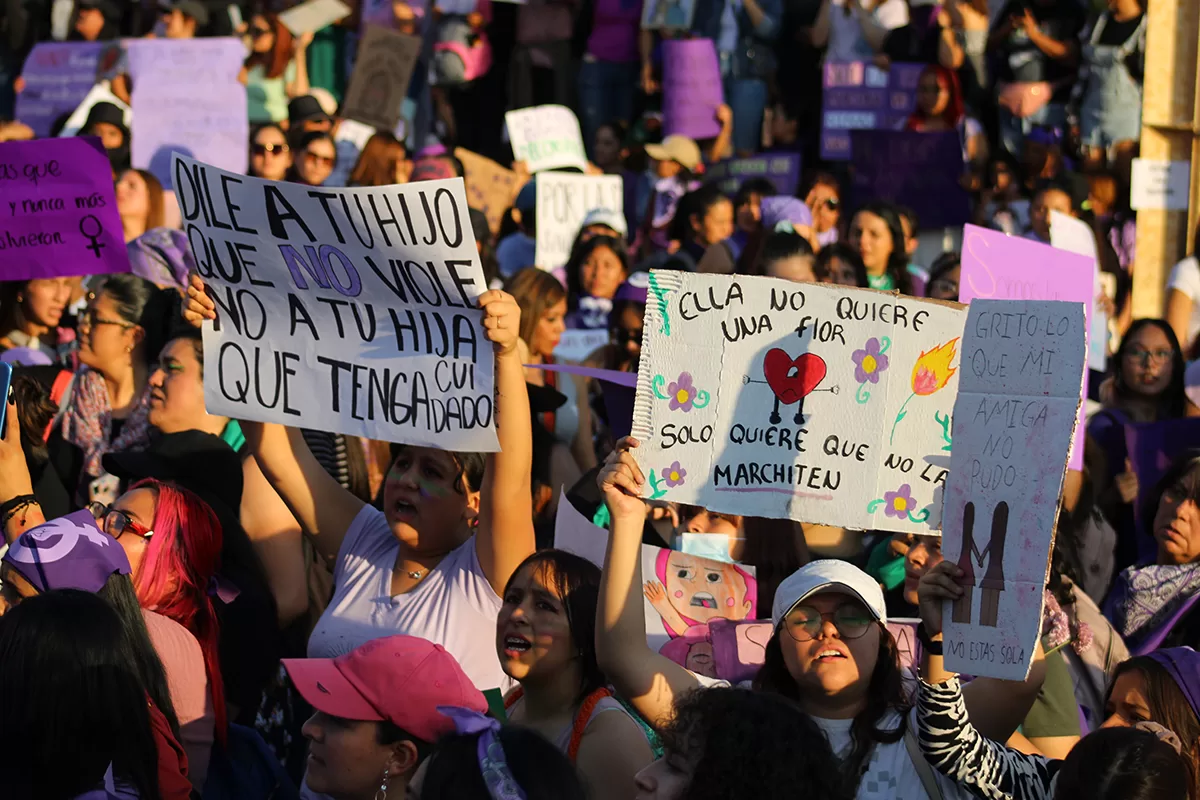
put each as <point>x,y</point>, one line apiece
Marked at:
<point>268,149</point>
<point>830,203</point>
<point>88,319</point>
<point>258,30</point>
<point>115,522</point>
<point>1149,356</point>
<point>317,158</point>
<point>803,623</point>
<point>623,336</point>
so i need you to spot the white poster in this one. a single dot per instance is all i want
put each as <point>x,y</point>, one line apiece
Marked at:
<point>563,200</point>
<point>770,398</point>
<point>347,310</point>
<point>1076,236</point>
<point>1159,184</point>
<point>546,137</point>
<point>313,15</point>
<point>1014,419</point>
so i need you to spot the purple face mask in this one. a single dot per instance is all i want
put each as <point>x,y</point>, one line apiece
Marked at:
<point>67,553</point>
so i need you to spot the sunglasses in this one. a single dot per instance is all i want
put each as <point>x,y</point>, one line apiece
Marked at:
<point>623,336</point>
<point>260,31</point>
<point>116,523</point>
<point>803,623</point>
<point>829,202</point>
<point>317,158</point>
<point>271,149</point>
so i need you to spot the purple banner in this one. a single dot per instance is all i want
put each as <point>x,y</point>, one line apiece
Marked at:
<point>57,75</point>
<point>919,170</point>
<point>59,211</point>
<point>691,88</point>
<point>782,169</point>
<point>1153,447</point>
<point>860,96</point>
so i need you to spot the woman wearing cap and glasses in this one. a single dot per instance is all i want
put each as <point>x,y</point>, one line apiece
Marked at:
<point>1158,694</point>
<point>830,653</point>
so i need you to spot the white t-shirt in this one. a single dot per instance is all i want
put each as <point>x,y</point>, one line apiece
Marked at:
<point>846,41</point>
<point>1186,278</point>
<point>455,606</point>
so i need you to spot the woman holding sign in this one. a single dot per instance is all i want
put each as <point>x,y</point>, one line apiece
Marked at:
<point>454,526</point>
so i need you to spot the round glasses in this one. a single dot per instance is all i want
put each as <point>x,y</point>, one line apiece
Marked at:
<point>803,623</point>
<point>115,522</point>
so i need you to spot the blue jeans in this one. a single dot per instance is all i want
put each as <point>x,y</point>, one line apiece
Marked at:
<point>1013,129</point>
<point>747,97</point>
<point>606,91</point>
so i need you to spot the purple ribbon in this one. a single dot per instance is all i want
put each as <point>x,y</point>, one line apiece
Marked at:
<point>222,589</point>
<point>492,765</point>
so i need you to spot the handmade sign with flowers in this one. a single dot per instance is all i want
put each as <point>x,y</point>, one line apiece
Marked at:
<point>930,374</point>
<point>672,476</point>
<point>899,504</point>
<point>681,393</point>
<point>869,364</point>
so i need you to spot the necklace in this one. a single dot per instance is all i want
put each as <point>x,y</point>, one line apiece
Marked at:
<point>416,574</point>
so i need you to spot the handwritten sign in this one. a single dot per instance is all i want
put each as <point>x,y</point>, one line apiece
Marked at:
<point>860,96</point>
<point>58,210</point>
<point>1023,363</point>
<point>347,310</point>
<point>995,266</point>
<point>187,100</point>
<point>313,15</point>
<point>782,170</point>
<point>490,187</point>
<point>919,170</point>
<point>691,88</point>
<point>1076,236</point>
<point>546,137</point>
<point>824,404</point>
<point>57,77</point>
<point>382,72</point>
<point>563,200</point>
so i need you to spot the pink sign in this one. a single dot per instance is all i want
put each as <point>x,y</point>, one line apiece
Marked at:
<point>691,88</point>
<point>1000,267</point>
<point>58,209</point>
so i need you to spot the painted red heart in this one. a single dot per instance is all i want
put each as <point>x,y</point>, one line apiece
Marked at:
<point>792,379</point>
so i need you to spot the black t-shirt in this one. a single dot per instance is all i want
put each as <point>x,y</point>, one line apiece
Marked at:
<point>913,44</point>
<point>1115,34</point>
<point>1021,61</point>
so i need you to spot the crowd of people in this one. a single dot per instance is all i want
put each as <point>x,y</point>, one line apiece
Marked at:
<point>196,606</point>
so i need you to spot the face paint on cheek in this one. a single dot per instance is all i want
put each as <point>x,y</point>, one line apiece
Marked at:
<point>430,490</point>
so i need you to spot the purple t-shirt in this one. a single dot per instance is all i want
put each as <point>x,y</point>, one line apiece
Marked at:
<point>615,31</point>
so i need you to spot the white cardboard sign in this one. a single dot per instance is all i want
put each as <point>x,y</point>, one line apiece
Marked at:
<point>546,137</point>
<point>313,15</point>
<point>776,399</point>
<point>1014,420</point>
<point>1159,184</point>
<point>347,310</point>
<point>1076,236</point>
<point>563,201</point>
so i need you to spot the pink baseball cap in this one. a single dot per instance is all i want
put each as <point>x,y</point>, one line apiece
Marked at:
<point>400,679</point>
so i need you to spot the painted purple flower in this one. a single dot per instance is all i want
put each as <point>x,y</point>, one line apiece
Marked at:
<point>674,474</point>
<point>869,362</point>
<point>682,392</point>
<point>898,503</point>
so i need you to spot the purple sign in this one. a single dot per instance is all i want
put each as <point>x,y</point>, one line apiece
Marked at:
<point>1153,447</point>
<point>1001,267</point>
<point>57,75</point>
<point>782,169</point>
<point>187,100</point>
<point>59,210</point>
<point>861,97</point>
<point>919,170</point>
<point>691,88</point>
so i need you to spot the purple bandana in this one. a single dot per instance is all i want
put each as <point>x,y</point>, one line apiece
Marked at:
<point>492,764</point>
<point>1183,664</point>
<point>67,553</point>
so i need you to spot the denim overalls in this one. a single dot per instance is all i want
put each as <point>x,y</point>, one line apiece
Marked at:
<point>1112,100</point>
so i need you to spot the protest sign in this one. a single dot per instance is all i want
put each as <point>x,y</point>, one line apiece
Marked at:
<point>860,96</point>
<point>668,14</point>
<point>187,99</point>
<point>908,645</point>
<point>59,211</point>
<point>815,402</point>
<point>382,71</point>
<point>490,187</point>
<point>1076,236</point>
<point>346,310</point>
<point>691,88</point>
<point>100,93</point>
<point>546,137</point>
<point>579,343</point>
<point>781,169</point>
<point>313,15</point>
<point>563,200</point>
<point>57,77</point>
<point>919,170</point>
<point>1017,400</point>
<point>1000,267</point>
<point>695,607</point>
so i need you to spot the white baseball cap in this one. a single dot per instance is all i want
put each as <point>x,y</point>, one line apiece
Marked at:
<point>827,575</point>
<point>607,218</point>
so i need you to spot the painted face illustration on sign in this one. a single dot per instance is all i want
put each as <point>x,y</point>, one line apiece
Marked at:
<point>693,590</point>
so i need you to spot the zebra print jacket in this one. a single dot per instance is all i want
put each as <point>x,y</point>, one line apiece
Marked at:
<point>988,769</point>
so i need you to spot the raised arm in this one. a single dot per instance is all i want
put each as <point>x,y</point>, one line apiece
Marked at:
<point>647,679</point>
<point>505,535</point>
<point>20,510</point>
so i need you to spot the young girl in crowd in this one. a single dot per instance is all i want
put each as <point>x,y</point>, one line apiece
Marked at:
<point>275,71</point>
<point>830,653</point>
<point>675,163</point>
<point>139,202</point>
<point>270,156</point>
<point>877,235</point>
<point>823,199</point>
<point>546,641</point>
<point>841,265</point>
<point>1048,197</point>
<point>30,312</point>
<point>596,268</point>
<point>703,218</point>
<point>944,276</point>
<point>314,160</point>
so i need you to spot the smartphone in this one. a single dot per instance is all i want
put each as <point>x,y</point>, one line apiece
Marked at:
<point>5,391</point>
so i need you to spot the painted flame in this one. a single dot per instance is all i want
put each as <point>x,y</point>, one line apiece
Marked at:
<point>932,370</point>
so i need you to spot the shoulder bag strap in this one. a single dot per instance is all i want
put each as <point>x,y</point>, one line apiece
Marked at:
<point>924,770</point>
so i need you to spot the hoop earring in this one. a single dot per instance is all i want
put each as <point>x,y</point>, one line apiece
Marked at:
<point>382,793</point>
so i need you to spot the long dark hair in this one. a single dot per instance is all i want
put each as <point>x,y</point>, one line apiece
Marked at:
<point>541,770</point>
<point>1123,764</point>
<point>839,251</point>
<point>1187,462</point>
<point>897,266</point>
<point>885,692</point>
<point>580,253</point>
<point>1172,401</point>
<point>68,690</point>
<point>577,583</point>
<point>1169,708</point>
